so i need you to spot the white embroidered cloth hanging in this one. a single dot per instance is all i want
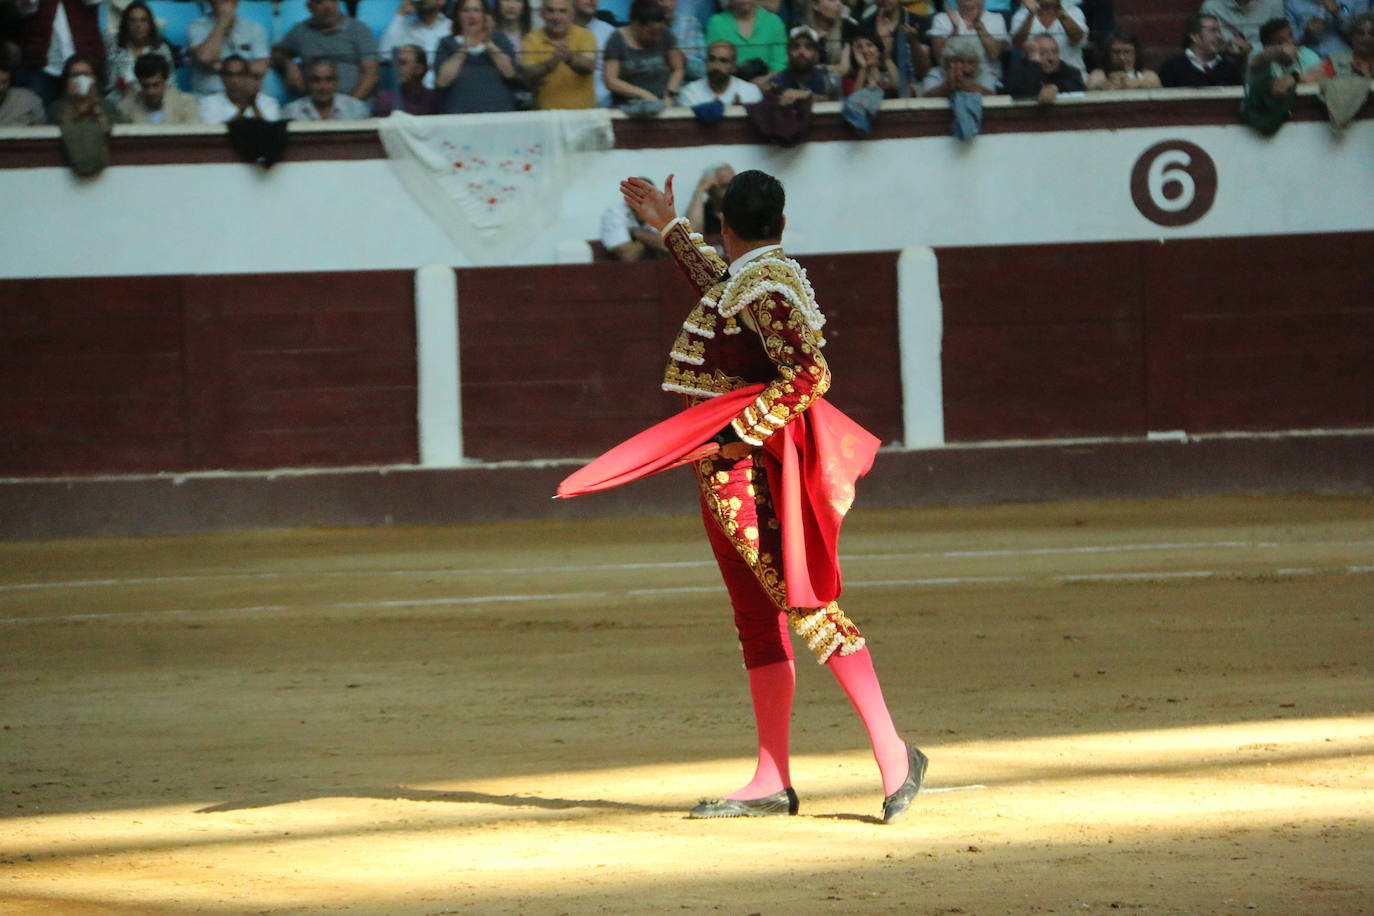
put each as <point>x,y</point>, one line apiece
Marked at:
<point>492,181</point>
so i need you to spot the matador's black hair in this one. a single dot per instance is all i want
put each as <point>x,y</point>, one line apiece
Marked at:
<point>752,205</point>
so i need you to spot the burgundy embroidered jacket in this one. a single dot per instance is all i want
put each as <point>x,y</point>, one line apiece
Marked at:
<point>760,326</point>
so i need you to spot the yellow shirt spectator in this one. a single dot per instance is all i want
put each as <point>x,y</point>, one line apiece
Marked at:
<point>559,85</point>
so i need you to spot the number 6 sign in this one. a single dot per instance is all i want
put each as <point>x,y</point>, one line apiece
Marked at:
<point>1174,183</point>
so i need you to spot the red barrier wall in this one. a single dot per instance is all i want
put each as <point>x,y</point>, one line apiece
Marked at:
<point>1120,339</point>
<point>120,375</point>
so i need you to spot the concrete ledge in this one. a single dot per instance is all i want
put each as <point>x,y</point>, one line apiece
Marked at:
<point>157,505</point>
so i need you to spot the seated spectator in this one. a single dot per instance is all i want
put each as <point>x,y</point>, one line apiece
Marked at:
<point>421,24</point>
<point>720,83</point>
<point>559,60</point>
<point>871,69</point>
<point>330,34</point>
<point>626,237</point>
<point>757,35</point>
<point>872,77</point>
<point>962,71</point>
<point>703,209</point>
<point>1042,76</point>
<point>322,100</point>
<point>19,107</point>
<point>1241,20</point>
<point>137,36</point>
<point>1049,17</point>
<point>1359,60</point>
<point>241,97</point>
<point>964,81</point>
<point>156,100</point>
<point>803,77</point>
<point>411,95</point>
<point>643,64</point>
<point>81,99</point>
<point>830,20</point>
<point>1122,70</point>
<point>968,17</point>
<point>686,28</point>
<point>49,34</point>
<point>1322,25</point>
<point>1202,63</point>
<point>220,35</point>
<point>584,14</point>
<point>475,67</point>
<point>897,34</point>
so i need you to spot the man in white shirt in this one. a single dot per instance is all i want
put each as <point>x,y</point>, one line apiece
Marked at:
<point>240,98</point>
<point>425,28</point>
<point>215,37</point>
<point>322,100</point>
<point>626,237</point>
<point>720,83</point>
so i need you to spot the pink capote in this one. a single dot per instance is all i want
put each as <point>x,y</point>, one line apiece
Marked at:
<point>812,464</point>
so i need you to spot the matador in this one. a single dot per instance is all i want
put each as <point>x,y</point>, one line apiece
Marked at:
<point>756,321</point>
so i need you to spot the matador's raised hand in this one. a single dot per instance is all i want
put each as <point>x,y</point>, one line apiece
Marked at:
<point>655,207</point>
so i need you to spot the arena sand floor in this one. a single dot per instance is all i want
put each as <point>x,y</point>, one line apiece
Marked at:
<point>1158,707</point>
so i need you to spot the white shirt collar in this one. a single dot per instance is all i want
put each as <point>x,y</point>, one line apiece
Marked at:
<point>739,263</point>
<point>1197,61</point>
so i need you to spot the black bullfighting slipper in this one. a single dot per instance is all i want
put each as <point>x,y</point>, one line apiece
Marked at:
<point>784,802</point>
<point>895,805</point>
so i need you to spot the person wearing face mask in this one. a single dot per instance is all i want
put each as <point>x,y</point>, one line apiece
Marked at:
<point>81,99</point>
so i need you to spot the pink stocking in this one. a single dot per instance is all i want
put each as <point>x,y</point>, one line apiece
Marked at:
<point>771,687</point>
<point>860,682</point>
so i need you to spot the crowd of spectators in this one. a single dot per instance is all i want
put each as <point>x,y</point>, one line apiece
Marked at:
<point>58,64</point>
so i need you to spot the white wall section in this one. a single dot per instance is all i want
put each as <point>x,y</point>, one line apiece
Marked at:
<point>1000,189</point>
<point>439,405</point>
<point>920,329</point>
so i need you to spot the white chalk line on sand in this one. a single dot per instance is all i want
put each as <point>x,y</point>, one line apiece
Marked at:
<point>674,564</point>
<point>458,601</point>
